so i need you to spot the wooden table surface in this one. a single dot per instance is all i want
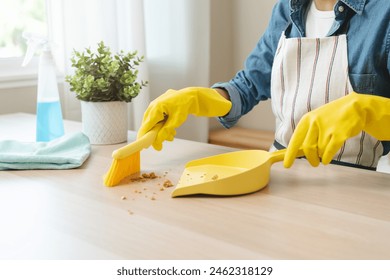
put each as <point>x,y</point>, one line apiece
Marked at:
<point>329,212</point>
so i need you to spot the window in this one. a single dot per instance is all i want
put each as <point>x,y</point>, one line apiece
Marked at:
<point>16,17</point>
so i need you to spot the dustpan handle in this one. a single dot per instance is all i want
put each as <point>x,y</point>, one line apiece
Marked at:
<point>279,155</point>
<point>142,143</point>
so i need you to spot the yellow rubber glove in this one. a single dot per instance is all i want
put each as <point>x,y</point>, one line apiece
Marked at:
<point>322,132</point>
<point>174,106</point>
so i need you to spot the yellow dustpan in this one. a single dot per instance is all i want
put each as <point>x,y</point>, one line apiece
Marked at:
<point>226,174</point>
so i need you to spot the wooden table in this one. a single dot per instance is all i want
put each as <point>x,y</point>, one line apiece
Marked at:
<point>329,212</point>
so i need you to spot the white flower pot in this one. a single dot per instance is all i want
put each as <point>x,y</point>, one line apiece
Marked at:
<point>105,122</point>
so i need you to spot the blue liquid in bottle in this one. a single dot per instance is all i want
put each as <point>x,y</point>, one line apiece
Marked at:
<point>49,121</point>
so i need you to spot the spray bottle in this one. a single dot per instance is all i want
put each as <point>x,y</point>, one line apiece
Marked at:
<point>49,124</point>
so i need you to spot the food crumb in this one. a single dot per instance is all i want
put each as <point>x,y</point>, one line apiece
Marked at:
<point>147,190</point>
<point>136,179</point>
<point>167,184</point>
<point>215,177</point>
<point>144,177</point>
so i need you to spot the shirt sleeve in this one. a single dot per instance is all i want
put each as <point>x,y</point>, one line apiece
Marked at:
<point>252,84</point>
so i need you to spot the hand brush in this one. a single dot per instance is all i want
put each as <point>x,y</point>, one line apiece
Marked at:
<point>126,160</point>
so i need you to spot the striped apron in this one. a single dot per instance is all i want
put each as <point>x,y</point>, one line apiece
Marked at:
<point>308,73</point>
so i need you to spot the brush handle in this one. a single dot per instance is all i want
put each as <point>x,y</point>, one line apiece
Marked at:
<point>142,143</point>
<point>279,155</point>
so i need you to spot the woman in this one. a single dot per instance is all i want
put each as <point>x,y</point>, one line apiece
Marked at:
<point>313,54</point>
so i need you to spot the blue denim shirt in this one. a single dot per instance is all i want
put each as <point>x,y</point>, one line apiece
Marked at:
<point>367,26</point>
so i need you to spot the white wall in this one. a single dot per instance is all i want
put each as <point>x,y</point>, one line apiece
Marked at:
<point>178,40</point>
<point>251,20</point>
<point>221,41</point>
<point>19,99</point>
<point>247,21</point>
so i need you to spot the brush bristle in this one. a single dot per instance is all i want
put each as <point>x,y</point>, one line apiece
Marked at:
<point>121,168</point>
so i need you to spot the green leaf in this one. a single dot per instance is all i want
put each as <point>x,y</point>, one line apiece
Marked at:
<point>101,76</point>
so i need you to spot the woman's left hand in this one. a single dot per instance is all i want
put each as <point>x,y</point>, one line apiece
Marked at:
<point>322,132</point>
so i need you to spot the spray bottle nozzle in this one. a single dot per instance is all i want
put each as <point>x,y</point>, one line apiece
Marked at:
<point>34,42</point>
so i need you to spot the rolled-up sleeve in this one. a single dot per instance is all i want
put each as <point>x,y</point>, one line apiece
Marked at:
<point>235,112</point>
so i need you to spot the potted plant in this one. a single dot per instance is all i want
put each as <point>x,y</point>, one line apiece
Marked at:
<point>105,83</point>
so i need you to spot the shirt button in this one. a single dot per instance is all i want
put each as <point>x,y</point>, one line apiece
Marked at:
<point>341,9</point>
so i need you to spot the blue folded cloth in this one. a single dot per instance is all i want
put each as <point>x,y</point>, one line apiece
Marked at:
<point>68,151</point>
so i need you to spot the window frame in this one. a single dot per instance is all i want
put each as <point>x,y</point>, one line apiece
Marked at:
<point>14,75</point>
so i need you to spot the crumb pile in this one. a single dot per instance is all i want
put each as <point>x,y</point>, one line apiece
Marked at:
<point>150,183</point>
